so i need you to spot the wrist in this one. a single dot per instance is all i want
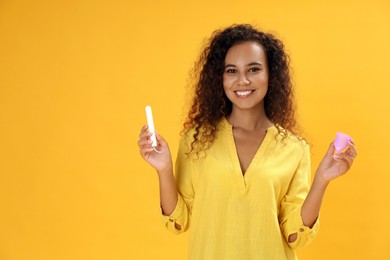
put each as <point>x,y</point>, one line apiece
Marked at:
<point>320,181</point>
<point>166,171</point>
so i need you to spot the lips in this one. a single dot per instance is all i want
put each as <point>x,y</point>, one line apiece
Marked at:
<point>243,93</point>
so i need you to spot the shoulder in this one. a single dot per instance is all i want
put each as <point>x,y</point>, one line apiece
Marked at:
<point>290,140</point>
<point>198,141</point>
<point>190,134</point>
<point>187,136</point>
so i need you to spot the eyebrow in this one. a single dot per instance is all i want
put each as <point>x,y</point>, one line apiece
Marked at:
<point>250,64</point>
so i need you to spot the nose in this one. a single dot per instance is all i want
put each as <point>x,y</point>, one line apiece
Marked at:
<point>242,79</point>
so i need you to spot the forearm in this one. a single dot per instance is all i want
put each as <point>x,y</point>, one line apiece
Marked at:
<point>312,204</point>
<point>168,191</point>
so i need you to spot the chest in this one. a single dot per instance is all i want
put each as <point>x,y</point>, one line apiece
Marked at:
<point>268,166</point>
<point>247,143</point>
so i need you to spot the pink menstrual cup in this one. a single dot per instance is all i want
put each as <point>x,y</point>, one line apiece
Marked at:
<point>341,141</point>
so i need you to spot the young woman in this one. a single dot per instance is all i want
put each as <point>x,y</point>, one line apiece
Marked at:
<point>242,178</point>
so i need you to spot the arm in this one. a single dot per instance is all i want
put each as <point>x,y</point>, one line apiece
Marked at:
<point>331,167</point>
<point>162,162</point>
<point>168,191</point>
<point>176,194</point>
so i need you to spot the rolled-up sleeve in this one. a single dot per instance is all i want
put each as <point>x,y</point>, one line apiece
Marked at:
<point>290,212</point>
<point>179,220</point>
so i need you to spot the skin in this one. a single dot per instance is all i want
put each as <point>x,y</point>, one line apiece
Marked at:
<point>162,162</point>
<point>247,70</point>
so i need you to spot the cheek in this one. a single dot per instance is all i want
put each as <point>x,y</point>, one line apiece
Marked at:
<point>227,82</point>
<point>261,81</point>
<point>260,78</point>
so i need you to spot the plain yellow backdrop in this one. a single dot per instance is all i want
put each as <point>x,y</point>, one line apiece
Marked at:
<point>75,77</point>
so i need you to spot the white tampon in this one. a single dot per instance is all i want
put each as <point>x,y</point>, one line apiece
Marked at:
<point>149,118</point>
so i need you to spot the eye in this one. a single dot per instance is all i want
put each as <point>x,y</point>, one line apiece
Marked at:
<point>231,71</point>
<point>254,69</point>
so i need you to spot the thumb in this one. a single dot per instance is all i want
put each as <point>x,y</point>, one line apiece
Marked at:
<point>331,149</point>
<point>160,139</point>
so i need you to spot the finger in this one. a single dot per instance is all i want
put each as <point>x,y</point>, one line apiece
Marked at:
<point>144,128</point>
<point>160,139</point>
<point>145,152</point>
<point>349,159</point>
<point>351,152</point>
<point>145,142</point>
<point>345,159</point>
<point>145,135</point>
<point>343,164</point>
<point>331,149</point>
<point>352,149</point>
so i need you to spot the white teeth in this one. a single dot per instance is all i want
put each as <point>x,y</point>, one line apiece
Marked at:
<point>244,93</point>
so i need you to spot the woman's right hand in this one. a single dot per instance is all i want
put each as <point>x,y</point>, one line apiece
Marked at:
<point>162,160</point>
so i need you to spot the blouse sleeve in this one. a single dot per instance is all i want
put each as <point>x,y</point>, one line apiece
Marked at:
<point>290,218</point>
<point>179,221</point>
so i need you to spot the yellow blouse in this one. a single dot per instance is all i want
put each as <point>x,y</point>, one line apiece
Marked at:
<point>243,217</point>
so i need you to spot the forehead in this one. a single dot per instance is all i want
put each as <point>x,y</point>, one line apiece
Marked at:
<point>246,51</point>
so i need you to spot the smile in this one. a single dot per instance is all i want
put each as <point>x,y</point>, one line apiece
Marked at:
<point>244,93</point>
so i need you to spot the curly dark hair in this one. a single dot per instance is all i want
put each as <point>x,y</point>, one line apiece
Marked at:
<point>210,103</point>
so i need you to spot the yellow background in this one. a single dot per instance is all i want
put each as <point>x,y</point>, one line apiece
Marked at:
<point>75,77</point>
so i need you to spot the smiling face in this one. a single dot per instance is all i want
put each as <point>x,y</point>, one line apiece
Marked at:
<point>245,79</point>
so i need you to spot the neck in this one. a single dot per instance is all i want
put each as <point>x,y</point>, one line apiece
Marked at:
<point>249,119</point>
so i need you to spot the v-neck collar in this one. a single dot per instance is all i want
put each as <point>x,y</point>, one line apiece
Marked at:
<point>257,158</point>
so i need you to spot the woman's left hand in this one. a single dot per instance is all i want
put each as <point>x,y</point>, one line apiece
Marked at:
<point>334,165</point>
